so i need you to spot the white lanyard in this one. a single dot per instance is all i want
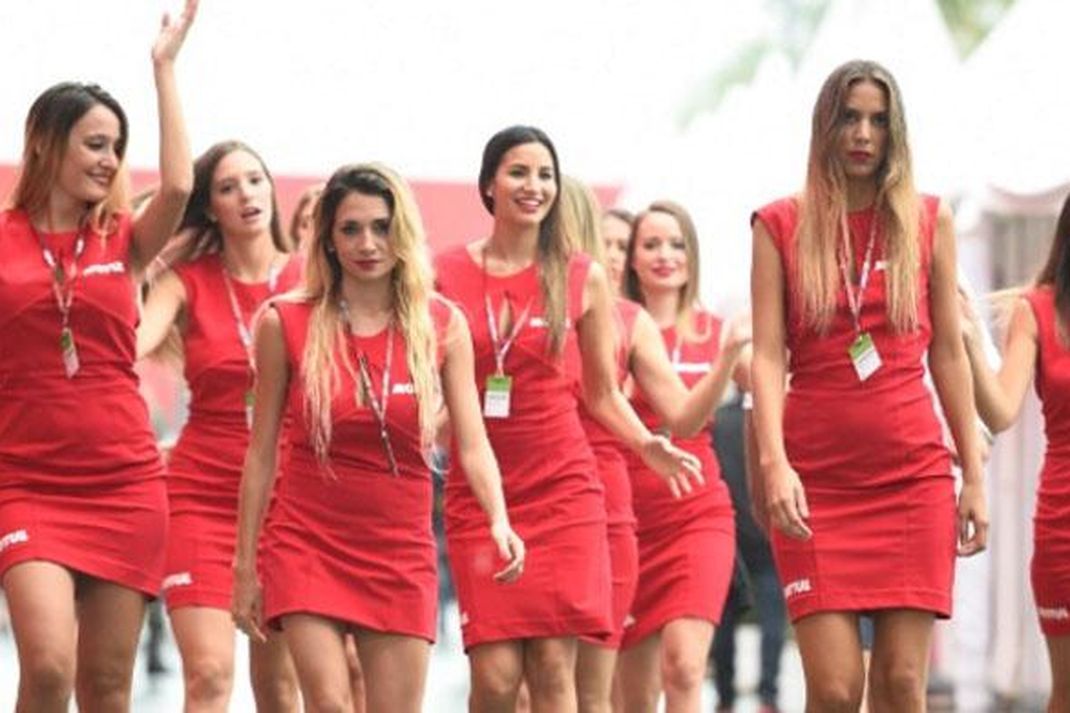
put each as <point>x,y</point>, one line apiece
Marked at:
<point>501,349</point>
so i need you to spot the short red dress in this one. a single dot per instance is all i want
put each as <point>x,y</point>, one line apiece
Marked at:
<point>610,456</point>
<point>81,481</point>
<point>1050,567</point>
<point>205,466</point>
<point>549,475</point>
<point>354,543</point>
<point>871,455</point>
<point>687,546</point>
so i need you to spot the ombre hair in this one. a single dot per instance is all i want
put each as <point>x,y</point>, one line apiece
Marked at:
<point>688,298</point>
<point>581,216</point>
<point>411,283</point>
<point>823,204</point>
<point>49,122</point>
<point>553,245</point>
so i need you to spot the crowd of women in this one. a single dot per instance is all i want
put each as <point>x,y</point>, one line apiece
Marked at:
<point>565,364</point>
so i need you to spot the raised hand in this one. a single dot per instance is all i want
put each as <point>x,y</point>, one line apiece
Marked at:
<point>173,34</point>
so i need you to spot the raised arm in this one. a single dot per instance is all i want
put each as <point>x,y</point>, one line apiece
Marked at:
<point>999,396</point>
<point>684,411</point>
<point>950,370</point>
<point>604,399</point>
<point>154,225</point>
<point>163,308</point>
<point>783,491</point>
<point>258,473</point>
<point>477,458</point>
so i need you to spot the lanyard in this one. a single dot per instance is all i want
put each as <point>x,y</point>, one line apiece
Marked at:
<point>501,348</point>
<point>855,299</point>
<point>62,284</point>
<point>245,332</point>
<point>367,390</point>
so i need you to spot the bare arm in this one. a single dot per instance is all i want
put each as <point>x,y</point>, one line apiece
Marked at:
<point>604,399</point>
<point>784,495</point>
<point>154,225</point>
<point>258,473</point>
<point>477,458</point>
<point>162,310</point>
<point>950,370</point>
<point>999,397</point>
<point>684,411</point>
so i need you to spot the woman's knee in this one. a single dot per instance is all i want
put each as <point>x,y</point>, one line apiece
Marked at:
<point>208,678</point>
<point>47,676</point>
<point>897,684</point>
<point>834,694</point>
<point>680,671</point>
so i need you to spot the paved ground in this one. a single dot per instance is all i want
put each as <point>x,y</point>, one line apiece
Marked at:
<point>446,688</point>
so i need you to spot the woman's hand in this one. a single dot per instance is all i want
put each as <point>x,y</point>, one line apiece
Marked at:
<point>786,502</point>
<point>973,518</point>
<point>246,605</point>
<point>738,335</point>
<point>173,34</point>
<point>677,467</point>
<point>511,549</point>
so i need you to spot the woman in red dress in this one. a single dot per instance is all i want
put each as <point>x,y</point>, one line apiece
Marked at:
<point>530,299</point>
<point>231,258</point>
<point>853,288</point>
<point>353,361</point>
<point>1037,349</point>
<point>641,355</point>
<point>83,509</point>
<point>686,548</point>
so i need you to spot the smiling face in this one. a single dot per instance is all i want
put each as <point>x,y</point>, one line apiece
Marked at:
<point>863,139</point>
<point>660,256</point>
<point>241,196</point>
<point>524,186</point>
<point>91,159</point>
<point>360,236</point>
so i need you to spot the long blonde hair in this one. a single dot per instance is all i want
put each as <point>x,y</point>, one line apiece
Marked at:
<point>823,204</point>
<point>411,283</point>
<point>48,128</point>
<point>581,217</point>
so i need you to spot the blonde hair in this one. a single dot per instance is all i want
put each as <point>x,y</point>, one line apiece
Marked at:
<point>581,218</point>
<point>688,298</point>
<point>48,129</point>
<point>411,283</point>
<point>823,204</point>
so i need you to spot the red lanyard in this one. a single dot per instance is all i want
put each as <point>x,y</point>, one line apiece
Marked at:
<point>364,383</point>
<point>501,347</point>
<point>855,299</point>
<point>245,332</point>
<point>63,285</point>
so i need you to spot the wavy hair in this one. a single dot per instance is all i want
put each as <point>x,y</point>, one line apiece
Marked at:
<point>823,203</point>
<point>411,283</point>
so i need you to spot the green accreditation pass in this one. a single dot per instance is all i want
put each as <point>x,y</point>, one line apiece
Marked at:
<point>864,356</point>
<point>249,399</point>
<point>496,397</point>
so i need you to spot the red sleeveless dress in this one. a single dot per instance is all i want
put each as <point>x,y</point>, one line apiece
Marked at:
<point>686,547</point>
<point>354,543</point>
<point>205,466</point>
<point>871,455</point>
<point>81,481</point>
<point>610,457</point>
<point>1050,567</point>
<point>549,475</point>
